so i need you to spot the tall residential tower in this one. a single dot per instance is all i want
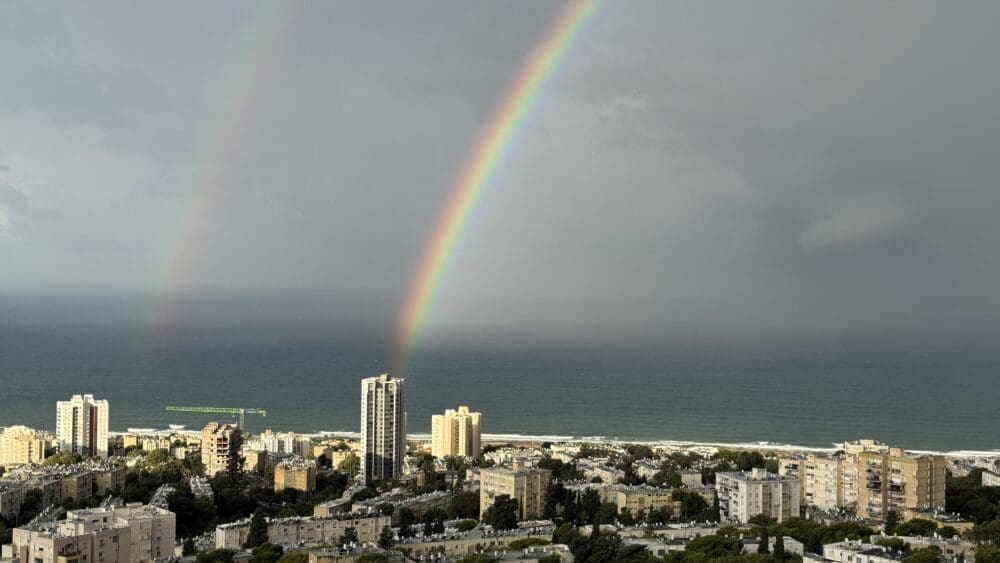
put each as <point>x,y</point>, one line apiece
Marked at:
<point>82,426</point>
<point>383,428</point>
<point>456,433</point>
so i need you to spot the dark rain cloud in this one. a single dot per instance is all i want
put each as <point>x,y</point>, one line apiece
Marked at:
<point>770,166</point>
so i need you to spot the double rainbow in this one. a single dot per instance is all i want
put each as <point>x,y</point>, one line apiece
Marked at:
<point>477,174</point>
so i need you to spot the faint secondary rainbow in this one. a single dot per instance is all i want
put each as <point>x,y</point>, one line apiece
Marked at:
<point>480,167</point>
<point>218,153</point>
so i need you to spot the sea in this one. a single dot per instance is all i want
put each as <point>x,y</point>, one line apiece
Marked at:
<point>921,395</point>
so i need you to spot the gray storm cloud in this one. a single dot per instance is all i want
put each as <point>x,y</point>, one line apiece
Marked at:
<point>769,165</point>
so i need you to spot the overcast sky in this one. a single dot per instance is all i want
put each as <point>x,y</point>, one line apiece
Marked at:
<point>697,165</point>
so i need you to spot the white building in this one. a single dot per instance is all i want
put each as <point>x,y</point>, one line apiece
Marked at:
<point>82,426</point>
<point>383,428</point>
<point>745,494</point>
<point>991,478</point>
<point>856,551</point>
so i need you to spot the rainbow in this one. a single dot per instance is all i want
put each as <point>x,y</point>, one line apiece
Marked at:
<point>481,165</point>
<point>218,153</point>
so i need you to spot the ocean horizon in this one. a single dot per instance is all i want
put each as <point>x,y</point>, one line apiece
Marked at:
<point>914,394</point>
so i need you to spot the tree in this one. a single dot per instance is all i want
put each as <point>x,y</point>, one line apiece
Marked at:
<point>692,504</point>
<point>763,544</point>
<point>555,495</point>
<point>386,539</point>
<point>891,521</point>
<point>525,543</point>
<point>916,527</point>
<point>926,555</point>
<point>350,535</point>
<point>406,519</point>
<point>625,517</point>
<point>257,535</point>
<point>189,548</point>
<point>779,546</point>
<point>988,554</point>
<point>464,504</point>
<point>157,457</point>
<point>428,528</point>
<point>987,533</point>
<point>267,553</point>
<point>216,556</point>
<point>503,514</point>
<point>895,544</point>
<point>466,525</point>
<point>590,503</point>
<point>947,531</point>
<point>67,458</point>
<point>666,477</point>
<point>350,464</point>
<point>717,546</point>
<point>295,557</point>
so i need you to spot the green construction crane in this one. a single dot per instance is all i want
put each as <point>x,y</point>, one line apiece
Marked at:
<point>240,412</point>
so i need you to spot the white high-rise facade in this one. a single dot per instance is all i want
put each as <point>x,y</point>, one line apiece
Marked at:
<point>383,428</point>
<point>82,426</point>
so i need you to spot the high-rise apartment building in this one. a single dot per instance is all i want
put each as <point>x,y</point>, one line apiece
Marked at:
<point>82,426</point>
<point>745,494</point>
<point>383,428</point>
<point>821,480</point>
<point>526,485</point>
<point>456,433</point>
<point>893,481</point>
<point>20,445</point>
<point>221,449</point>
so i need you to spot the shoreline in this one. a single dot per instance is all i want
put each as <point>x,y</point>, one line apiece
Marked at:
<point>514,438</point>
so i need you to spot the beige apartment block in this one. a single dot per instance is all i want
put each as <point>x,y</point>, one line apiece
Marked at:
<point>11,498</point>
<point>110,480</point>
<point>221,449</point>
<point>20,445</point>
<point>305,531</point>
<point>298,474</point>
<point>821,480</point>
<point>152,530</point>
<point>745,494</point>
<point>525,485</point>
<point>894,482</point>
<point>71,542</point>
<point>456,433</point>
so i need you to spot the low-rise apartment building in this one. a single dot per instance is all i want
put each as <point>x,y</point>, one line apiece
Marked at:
<point>526,485</point>
<point>152,530</point>
<point>295,473</point>
<point>71,541</point>
<point>305,531</point>
<point>745,494</point>
<point>856,551</point>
